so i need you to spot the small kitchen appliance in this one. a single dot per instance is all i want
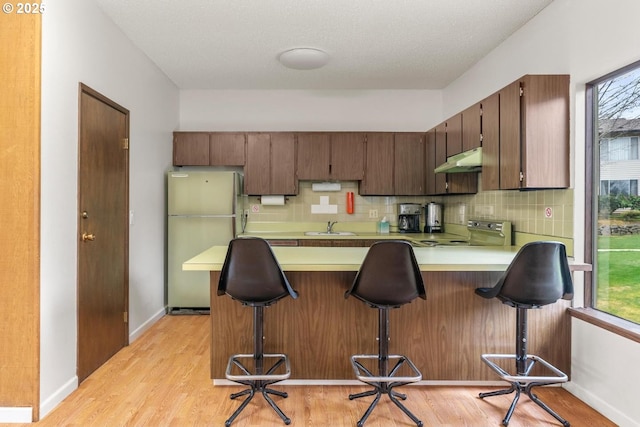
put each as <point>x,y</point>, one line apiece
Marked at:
<point>409,217</point>
<point>433,221</point>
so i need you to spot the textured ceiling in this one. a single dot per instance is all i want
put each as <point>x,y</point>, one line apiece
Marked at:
<point>373,44</point>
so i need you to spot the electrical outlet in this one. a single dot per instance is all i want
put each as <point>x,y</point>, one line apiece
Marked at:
<point>373,213</point>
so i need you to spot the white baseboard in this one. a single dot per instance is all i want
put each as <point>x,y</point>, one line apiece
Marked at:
<point>16,415</point>
<point>601,406</point>
<point>146,325</point>
<point>50,403</point>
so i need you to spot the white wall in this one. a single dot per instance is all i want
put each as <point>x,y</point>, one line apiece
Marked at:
<point>586,39</point>
<point>299,110</point>
<point>81,45</point>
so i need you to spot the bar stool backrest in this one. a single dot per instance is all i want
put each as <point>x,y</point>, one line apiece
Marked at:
<point>537,276</point>
<point>251,273</point>
<point>389,276</point>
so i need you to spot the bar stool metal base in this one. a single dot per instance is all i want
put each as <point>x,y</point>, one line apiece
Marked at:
<point>258,382</point>
<point>384,384</point>
<point>524,382</point>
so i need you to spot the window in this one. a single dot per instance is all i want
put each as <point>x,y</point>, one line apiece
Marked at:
<point>619,187</point>
<point>618,149</point>
<point>613,117</point>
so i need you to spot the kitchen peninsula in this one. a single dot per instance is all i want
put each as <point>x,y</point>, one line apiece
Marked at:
<point>444,335</point>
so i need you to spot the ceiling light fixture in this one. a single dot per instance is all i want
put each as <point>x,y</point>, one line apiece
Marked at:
<point>304,58</point>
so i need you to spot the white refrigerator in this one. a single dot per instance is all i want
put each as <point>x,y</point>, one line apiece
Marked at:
<point>203,211</point>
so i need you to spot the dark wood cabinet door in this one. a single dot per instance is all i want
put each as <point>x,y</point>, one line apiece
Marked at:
<point>190,149</point>
<point>454,135</point>
<point>545,131</point>
<point>491,143</point>
<point>283,164</point>
<point>270,164</point>
<point>227,149</point>
<point>258,165</point>
<point>510,137</point>
<point>347,156</point>
<point>441,157</point>
<point>378,174</point>
<point>459,183</point>
<point>314,156</point>
<point>462,183</point>
<point>409,164</point>
<point>430,162</point>
<point>471,127</point>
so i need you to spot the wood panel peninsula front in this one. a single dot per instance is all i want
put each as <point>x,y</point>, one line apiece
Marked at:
<point>444,335</point>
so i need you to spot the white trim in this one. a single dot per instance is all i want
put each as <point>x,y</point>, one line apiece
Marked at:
<point>609,411</point>
<point>70,386</point>
<point>146,325</point>
<point>16,415</point>
<point>58,396</point>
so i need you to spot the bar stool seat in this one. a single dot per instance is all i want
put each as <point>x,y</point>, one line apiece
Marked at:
<point>251,275</point>
<point>388,278</point>
<point>538,275</point>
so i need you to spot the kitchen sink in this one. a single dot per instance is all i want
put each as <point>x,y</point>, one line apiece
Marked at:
<point>329,233</point>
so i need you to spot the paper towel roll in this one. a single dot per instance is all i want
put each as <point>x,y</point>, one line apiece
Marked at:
<point>272,200</point>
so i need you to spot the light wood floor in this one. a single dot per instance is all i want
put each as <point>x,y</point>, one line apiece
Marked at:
<point>162,379</point>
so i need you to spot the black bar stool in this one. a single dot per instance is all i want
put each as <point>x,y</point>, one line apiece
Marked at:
<point>388,278</point>
<point>251,275</point>
<point>538,275</point>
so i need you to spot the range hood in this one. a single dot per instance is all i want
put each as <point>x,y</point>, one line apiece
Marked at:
<point>469,161</point>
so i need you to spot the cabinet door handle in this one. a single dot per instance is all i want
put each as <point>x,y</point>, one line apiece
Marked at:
<point>86,237</point>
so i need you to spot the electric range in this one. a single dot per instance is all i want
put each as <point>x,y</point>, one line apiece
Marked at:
<point>481,233</point>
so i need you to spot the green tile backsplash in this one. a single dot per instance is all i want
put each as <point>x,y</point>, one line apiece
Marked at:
<point>525,209</point>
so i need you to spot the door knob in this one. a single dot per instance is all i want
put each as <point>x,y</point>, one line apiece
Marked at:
<point>86,237</point>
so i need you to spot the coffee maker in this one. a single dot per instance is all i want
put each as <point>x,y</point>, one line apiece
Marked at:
<point>409,217</point>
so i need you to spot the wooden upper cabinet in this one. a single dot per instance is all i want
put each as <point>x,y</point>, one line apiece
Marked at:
<point>430,161</point>
<point>454,135</point>
<point>347,156</point>
<point>191,149</point>
<point>491,143</point>
<point>441,157</point>
<point>270,164</point>
<point>257,169</point>
<point>545,131</point>
<point>227,149</point>
<point>283,163</point>
<point>409,157</point>
<point>510,136</point>
<point>458,183</point>
<point>378,171</point>
<point>334,156</point>
<point>534,133</point>
<point>314,156</point>
<point>471,127</point>
<point>208,149</point>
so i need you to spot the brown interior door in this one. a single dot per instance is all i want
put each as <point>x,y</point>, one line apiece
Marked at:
<point>103,230</point>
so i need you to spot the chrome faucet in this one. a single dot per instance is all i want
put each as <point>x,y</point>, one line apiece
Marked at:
<point>330,226</point>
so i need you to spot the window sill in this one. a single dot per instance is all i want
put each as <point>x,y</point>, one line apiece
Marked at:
<point>611,323</point>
